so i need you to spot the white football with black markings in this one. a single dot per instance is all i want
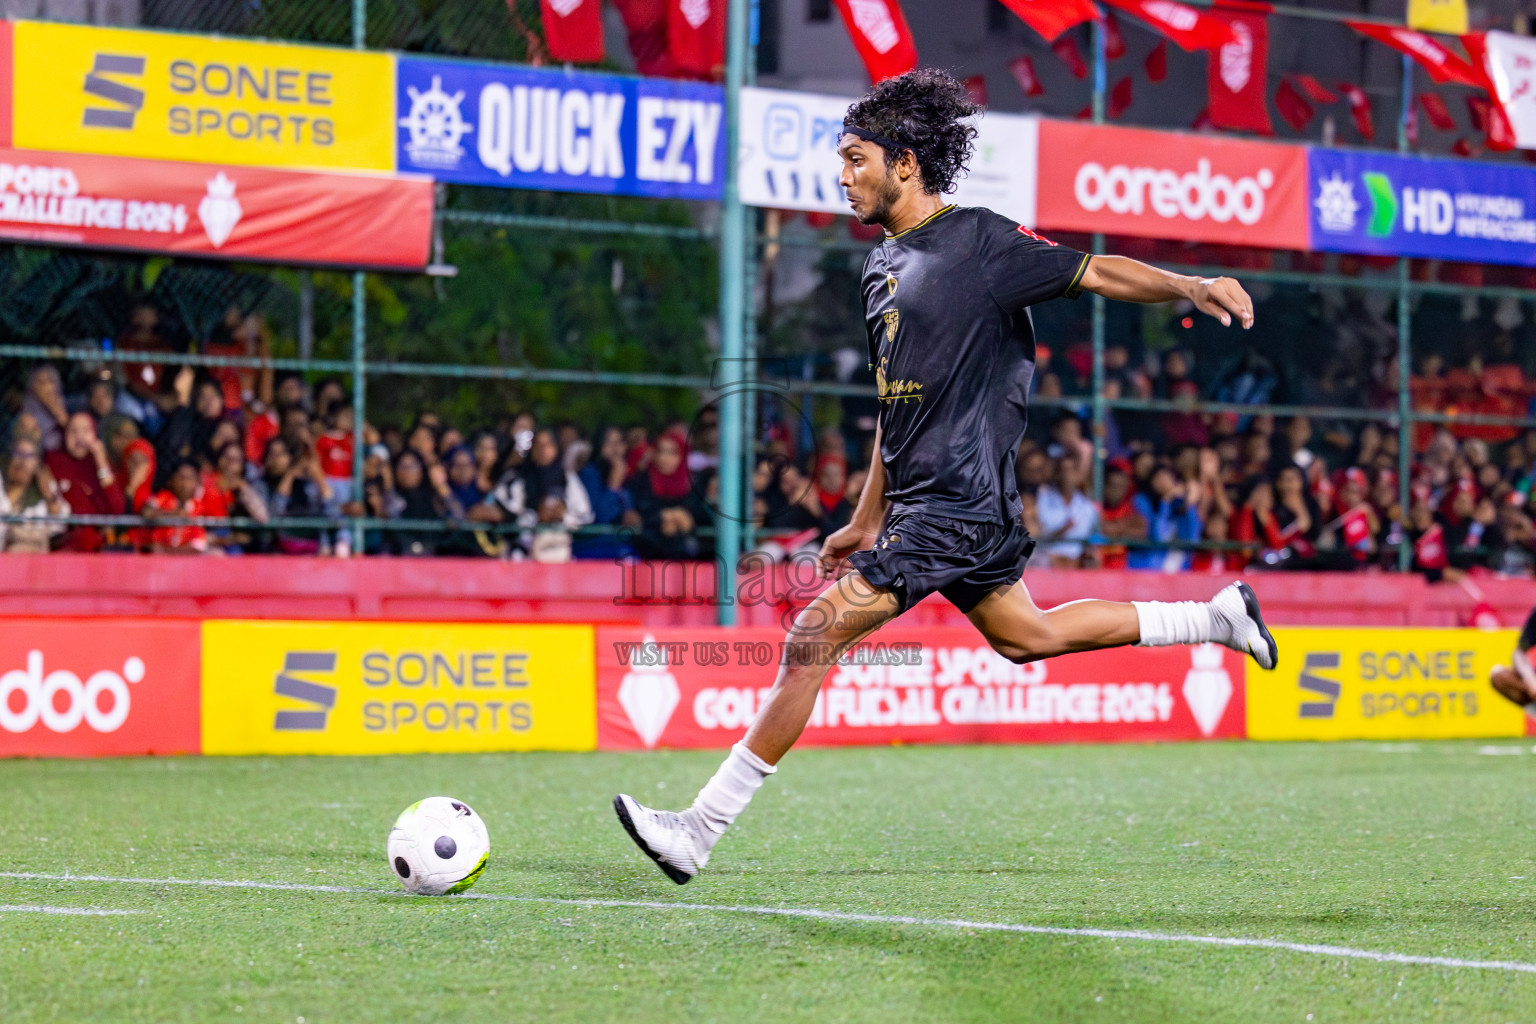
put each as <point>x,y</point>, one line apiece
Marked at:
<point>438,846</point>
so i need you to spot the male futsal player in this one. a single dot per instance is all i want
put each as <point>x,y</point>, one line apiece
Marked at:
<point>1517,681</point>
<point>946,298</point>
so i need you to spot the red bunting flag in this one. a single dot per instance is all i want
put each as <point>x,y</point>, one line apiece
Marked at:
<point>1202,120</point>
<point>1023,71</point>
<point>645,23</point>
<point>976,88</point>
<point>1359,109</point>
<point>1157,62</point>
<point>1051,18</point>
<point>1120,97</point>
<point>1114,42</point>
<point>1187,26</point>
<point>1501,134</point>
<point>696,36</point>
<point>1462,147</point>
<point>879,32</point>
<point>573,29</point>
<point>1293,106</point>
<point>1313,89</point>
<point>1071,56</point>
<point>1438,113</point>
<point>1477,107</point>
<point>1439,63</point>
<point>1237,75</point>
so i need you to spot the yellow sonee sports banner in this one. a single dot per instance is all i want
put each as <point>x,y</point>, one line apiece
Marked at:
<point>1387,684</point>
<point>165,96</point>
<point>396,688</point>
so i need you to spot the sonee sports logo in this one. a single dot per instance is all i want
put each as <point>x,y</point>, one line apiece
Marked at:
<point>1322,686</point>
<point>289,685</point>
<point>40,694</point>
<point>129,99</point>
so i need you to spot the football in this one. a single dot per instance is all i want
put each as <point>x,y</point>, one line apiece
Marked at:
<point>438,846</point>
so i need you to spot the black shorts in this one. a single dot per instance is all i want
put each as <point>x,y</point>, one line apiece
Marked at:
<point>917,554</point>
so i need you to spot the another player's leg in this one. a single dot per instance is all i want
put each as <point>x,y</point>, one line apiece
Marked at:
<point>1020,631</point>
<point>1517,681</point>
<point>841,616</point>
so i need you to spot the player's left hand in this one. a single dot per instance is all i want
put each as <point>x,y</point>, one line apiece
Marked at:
<point>1223,298</point>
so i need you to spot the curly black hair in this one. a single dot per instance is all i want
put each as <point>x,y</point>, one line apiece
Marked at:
<point>925,111</point>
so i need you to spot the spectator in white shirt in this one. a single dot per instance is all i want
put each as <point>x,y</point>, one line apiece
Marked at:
<point>1067,516</point>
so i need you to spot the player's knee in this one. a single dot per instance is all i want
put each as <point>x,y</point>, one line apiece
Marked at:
<point>1030,640</point>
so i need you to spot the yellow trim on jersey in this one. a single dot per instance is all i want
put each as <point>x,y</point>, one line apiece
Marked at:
<point>1075,288</point>
<point>941,211</point>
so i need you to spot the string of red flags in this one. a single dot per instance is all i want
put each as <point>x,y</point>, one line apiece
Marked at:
<point>1051,18</point>
<point>1189,27</point>
<point>1237,74</point>
<point>573,29</point>
<point>880,33</point>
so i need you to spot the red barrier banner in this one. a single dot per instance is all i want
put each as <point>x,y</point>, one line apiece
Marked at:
<point>215,211</point>
<point>1151,184</point>
<point>99,687</point>
<point>702,687</point>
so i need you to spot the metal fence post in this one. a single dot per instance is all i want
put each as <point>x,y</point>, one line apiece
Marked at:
<point>1097,430</point>
<point>359,396</point>
<point>733,240</point>
<point>1404,355</point>
<point>749,413</point>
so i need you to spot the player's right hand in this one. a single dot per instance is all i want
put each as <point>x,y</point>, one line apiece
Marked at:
<point>842,543</point>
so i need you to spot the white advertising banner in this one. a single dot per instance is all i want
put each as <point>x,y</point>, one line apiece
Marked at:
<point>1512,67</point>
<point>788,156</point>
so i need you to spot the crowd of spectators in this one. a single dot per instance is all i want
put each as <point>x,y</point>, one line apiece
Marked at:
<point>272,456</point>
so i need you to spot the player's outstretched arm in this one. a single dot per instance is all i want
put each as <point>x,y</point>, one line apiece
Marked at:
<point>864,526</point>
<point>1128,280</point>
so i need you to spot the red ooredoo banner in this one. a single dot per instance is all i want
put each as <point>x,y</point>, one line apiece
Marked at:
<point>215,211</point>
<point>82,688</point>
<point>702,688</point>
<point>1131,181</point>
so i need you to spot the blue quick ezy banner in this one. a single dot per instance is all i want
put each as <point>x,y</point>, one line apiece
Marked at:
<point>513,127</point>
<point>1386,205</point>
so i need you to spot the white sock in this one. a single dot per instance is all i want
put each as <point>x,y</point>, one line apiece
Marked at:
<point>727,794</point>
<point>1165,623</point>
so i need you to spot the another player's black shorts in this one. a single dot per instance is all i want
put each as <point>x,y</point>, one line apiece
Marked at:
<point>917,554</point>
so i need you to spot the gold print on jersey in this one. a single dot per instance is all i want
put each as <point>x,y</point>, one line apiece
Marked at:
<point>890,283</point>
<point>892,318</point>
<point>895,390</point>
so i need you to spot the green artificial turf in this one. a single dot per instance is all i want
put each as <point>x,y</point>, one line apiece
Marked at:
<point>1412,848</point>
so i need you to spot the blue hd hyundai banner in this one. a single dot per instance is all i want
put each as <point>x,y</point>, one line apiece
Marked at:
<point>487,124</point>
<point>1386,205</point>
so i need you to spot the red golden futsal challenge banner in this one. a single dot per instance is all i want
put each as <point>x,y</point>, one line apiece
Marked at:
<point>1150,184</point>
<point>702,688</point>
<point>209,210</point>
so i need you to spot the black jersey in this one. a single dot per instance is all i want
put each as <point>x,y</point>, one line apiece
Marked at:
<point>953,350</point>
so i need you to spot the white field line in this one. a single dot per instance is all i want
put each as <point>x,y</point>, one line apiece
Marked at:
<point>1137,935</point>
<point>33,908</point>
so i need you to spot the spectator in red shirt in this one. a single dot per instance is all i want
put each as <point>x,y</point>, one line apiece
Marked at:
<point>228,492</point>
<point>183,496</point>
<point>1255,523</point>
<point>239,335</point>
<point>138,473</point>
<point>267,421</point>
<point>86,481</point>
<point>1119,521</point>
<point>334,447</point>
